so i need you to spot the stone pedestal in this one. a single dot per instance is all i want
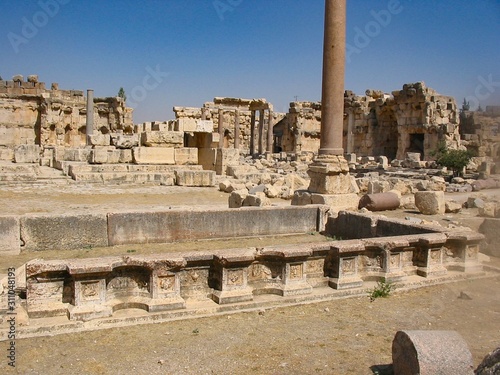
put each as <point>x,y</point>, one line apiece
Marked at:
<point>331,183</point>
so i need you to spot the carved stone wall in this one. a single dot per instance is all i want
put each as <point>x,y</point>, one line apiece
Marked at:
<point>32,114</point>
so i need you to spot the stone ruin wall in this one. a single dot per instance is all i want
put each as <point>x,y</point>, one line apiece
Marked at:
<point>481,131</point>
<point>414,119</point>
<point>187,119</point>
<point>31,114</point>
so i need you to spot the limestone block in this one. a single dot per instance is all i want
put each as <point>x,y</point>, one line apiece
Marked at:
<point>162,139</point>
<point>375,187</point>
<point>195,178</point>
<point>125,156</point>
<point>46,232</point>
<point>9,235</point>
<point>99,156</point>
<point>430,202</point>
<point>237,198</point>
<point>383,162</point>
<point>186,156</point>
<point>204,126</point>
<point>258,199</point>
<point>125,141</point>
<point>224,185</point>
<point>186,124</point>
<point>301,198</point>
<point>413,156</point>
<point>336,201</point>
<point>234,186</point>
<point>153,155</point>
<point>431,353</point>
<point>99,139</point>
<point>452,207</point>
<point>489,209</point>
<point>271,191</point>
<point>27,154</point>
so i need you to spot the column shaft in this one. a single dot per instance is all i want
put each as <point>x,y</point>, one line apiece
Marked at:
<point>270,125</point>
<point>90,114</point>
<point>237,129</point>
<point>332,101</point>
<point>221,128</point>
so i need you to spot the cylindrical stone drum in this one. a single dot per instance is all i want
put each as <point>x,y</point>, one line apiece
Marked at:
<point>379,201</point>
<point>431,353</point>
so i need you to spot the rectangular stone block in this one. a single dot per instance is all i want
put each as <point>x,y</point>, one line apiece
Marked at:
<point>9,235</point>
<point>99,139</point>
<point>153,155</point>
<point>46,232</point>
<point>176,225</point>
<point>162,139</point>
<point>204,126</point>
<point>186,156</point>
<point>195,178</point>
<point>27,154</point>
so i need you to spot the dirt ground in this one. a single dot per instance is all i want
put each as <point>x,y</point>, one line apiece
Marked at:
<point>347,336</point>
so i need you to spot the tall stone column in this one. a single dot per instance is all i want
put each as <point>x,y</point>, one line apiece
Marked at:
<point>331,183</point>
<point>237,129</point>
<point>261,131</point>
<point>252,134</point>
<point>90,115</point>
<point>332,98</point>
<point>221,128</point>
<point>270,125</point>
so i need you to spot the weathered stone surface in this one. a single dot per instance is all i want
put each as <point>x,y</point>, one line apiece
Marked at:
<point>124,141</point>
<point>186,156</point>
<point>336,201</point>
<point>431,353</point>
<point>237,198</point>
<point>45,232</point>
<point>301,198</point>
<point>489,209</point>
<point>490,364</point>
<point>491,230</point>
<point>257,199</point>
<point>9,235</point>
<point>99,139</point>
<point>452,207</point>
<point>153,155</point>
<point>174,225</point>
<point>162,139</point>
<point>195,178</point>
<point>430,202</point>
<point>27,154</point>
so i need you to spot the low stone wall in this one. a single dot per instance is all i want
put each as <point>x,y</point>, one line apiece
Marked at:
<point>35,232</point>
<point>85,289</point>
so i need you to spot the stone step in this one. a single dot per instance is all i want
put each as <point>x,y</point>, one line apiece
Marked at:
<point>127,168</point>
<point>167,179</point>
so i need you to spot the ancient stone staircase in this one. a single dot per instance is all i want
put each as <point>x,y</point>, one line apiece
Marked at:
<point>17,173</point>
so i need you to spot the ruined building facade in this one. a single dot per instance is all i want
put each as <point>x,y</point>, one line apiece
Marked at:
<point>414,119</point>
<point>31,114</point>
<point>480,131</point>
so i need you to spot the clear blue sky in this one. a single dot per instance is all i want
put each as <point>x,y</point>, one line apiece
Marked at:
<point>186,52</point>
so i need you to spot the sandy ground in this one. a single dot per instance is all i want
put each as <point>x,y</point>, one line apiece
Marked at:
<point>348,336</point>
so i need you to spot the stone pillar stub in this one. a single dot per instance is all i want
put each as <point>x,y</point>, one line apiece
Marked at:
<point>270,126</point>
<point>237,129</point>
<point>332,98</point>
<point>261,131</point>
<point>252,134</point>
<point>430,353</point>
<point>90,114</point>
<point>221,128</point>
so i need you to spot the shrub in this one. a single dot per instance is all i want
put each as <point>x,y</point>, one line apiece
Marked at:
<point>383,289</point>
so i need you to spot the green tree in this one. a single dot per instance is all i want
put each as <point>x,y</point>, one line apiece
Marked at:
<point>121,94</point>
<point>456,160</point>
<point>465,105</point>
